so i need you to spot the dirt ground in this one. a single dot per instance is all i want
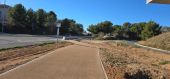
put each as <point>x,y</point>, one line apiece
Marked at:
<point>16,56</point>
<point>122,61</point>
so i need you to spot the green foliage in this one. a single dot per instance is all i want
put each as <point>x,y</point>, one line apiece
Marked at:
<point>117,28</point>
<point>69,26</point>
<point>104,27</point>
<point>136,29</point>
<point>93,29</point>
<point>17,17</point>
<point>151,29</point>
<point>30,20</point>
<point>128,31</point>
<point>39,22</point>
<point>51,18</point>
<point>50,26</point>
<point>164,62</point>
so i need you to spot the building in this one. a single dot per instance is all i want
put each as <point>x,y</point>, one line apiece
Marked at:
<point>3,13</point>
<point>159,1</point>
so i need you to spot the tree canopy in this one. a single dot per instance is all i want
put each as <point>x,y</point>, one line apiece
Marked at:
<point>130,31</point>
<point>69,26</point>
<point>29,21</point>
<point>104,27</point>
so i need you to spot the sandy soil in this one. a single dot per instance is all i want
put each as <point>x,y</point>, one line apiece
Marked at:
<point>126,62</point>
<point>13,57</point>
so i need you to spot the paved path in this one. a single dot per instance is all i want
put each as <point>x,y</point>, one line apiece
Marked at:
<point>73,62</point>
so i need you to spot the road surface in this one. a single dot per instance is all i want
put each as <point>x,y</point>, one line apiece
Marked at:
<point>73,62</point>
<point>14,40</point>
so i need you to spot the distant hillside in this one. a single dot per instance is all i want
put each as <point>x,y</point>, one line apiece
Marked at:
<point>161,41</point>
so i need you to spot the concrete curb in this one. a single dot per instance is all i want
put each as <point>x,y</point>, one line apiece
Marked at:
<point>36,59</point>
<point>161,50</point>
<point>102,65</point>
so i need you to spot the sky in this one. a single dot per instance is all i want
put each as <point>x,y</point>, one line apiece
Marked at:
<point>89,12</point>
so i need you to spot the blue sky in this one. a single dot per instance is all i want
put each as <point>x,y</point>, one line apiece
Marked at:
<point>93,11</point>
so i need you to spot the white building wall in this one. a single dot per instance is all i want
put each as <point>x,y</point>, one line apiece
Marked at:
<point>4,13</point>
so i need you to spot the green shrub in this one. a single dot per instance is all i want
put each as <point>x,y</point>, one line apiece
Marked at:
<point>164,62</point>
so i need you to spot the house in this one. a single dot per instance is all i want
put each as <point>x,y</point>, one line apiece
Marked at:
<point>159,1</point>
<point>3,13</point>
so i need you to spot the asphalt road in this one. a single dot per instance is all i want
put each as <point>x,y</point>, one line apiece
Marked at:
<point>73,62</point>
<point>14,40</point>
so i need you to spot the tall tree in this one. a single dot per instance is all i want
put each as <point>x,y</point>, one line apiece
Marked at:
<point>80,29</point>
<point>50,25</point>
<point>41,20</point>
<point>65,26</point>
<point>136,30</point>
<point>30,20</point>
<point>117,28</point>
<point>69,26</point>
<point>105,27</point>
<point>102,27</point>
<point>151,29</point>
<point>17,18</point>
<point>93,29</point>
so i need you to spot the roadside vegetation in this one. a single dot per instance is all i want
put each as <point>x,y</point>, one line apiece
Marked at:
<point>13,57</point>
<point>127,31</point>
<point>128,62</point>
<point>28,21</point>
<point>161,41</point>
<point>151,33</point>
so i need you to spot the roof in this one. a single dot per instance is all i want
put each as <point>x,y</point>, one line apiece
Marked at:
<point>159,1</point>
<point>4,5</point>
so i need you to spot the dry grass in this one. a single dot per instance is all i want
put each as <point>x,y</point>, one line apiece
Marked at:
<point>10,58</point>
<point>161,41</point>
<point>127,62</point>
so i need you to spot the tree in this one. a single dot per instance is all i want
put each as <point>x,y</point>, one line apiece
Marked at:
<point>65,26</point>
<point>17,18</point>
<point>105,27</point>
<point>93,29</point>
<point>102,27</point>
<point>50,25</point>
<point>80,29</point>
<point>117,28</point>
<point>76,29</point>
<point>30,20</point>
<point>126,26</point>
<point>126,30</point>
<point>136,30</point>
<point>69,26</point>
<point>151,29</point>
<point>40,21</point>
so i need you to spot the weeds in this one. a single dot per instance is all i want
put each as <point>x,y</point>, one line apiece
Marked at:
<point>113,60</point>
<point>17,47</point>
<point>164,62</point>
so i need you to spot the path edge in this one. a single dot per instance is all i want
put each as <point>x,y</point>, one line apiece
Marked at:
<point>102,65</point>
<point>36,59</point>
